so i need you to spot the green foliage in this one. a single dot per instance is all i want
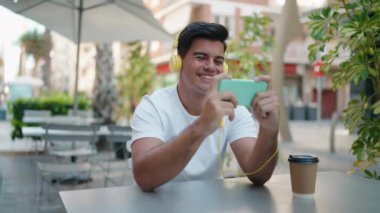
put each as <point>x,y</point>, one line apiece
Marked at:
<point>352,32</point>
<point>135,79</point>
<point>34,44</point>
<point>58,104</point>
<point>252,47</point>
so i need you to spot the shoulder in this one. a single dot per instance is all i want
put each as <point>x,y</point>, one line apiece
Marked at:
<point>158,97</point>
<point>157,103</point>
<point>161,95</point>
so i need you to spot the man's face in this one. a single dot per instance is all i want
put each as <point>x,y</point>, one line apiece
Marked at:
<point>202,61</point>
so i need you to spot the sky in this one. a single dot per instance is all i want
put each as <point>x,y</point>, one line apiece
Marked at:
<point>12,27</point>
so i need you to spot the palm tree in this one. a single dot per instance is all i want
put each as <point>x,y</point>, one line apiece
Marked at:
<point>33,43</point>
<point>46,68</point>
<point>105,97</point>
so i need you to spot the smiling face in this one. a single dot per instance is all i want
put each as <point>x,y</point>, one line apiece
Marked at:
<point>202,61</point>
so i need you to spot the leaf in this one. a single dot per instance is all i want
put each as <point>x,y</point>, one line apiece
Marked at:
<point>368,174</point>
<point>376,108</point>
<point>364,74</point>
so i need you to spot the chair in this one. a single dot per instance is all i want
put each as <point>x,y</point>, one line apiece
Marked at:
<point>36,113</point>
<point>81,113</point>
<point>71,147</point>
<point>35,116</point>
<point>116,169</point>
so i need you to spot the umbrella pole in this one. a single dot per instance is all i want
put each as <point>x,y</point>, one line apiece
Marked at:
<point>79,38</point>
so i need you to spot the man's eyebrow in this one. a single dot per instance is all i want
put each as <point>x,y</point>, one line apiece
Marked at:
<point>199,53</point>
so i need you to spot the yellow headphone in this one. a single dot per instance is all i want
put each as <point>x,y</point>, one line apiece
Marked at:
<point>175,61</point>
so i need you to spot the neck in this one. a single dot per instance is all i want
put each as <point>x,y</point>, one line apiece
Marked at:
<point>191,102</point>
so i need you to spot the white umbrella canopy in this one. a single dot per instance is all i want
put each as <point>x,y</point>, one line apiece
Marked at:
<point>92,21</point>
<point>102,20</point>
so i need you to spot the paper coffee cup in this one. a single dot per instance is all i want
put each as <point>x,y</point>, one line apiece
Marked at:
<point>303,174</point>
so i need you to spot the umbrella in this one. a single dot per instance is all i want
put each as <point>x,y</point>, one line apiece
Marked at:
<point>92,21</point>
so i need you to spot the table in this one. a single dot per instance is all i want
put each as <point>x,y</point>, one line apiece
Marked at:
<point>38,131</point>
<point>61,119</point>
<point>335,192</point>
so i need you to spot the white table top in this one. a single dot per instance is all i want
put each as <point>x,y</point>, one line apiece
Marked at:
<point>335,192</point>
<point>38,131</point>
<point>62,119</point>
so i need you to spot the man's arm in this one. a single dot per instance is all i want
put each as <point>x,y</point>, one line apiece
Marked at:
<point>156,162</point>
<point>252,154</point>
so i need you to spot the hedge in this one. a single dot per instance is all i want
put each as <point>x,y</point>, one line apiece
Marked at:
<point>57,104</point>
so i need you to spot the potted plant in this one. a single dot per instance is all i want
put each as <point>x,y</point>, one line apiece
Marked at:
<point>352,28</point>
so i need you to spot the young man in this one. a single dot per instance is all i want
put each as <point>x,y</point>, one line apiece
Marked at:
<point>177,131</point>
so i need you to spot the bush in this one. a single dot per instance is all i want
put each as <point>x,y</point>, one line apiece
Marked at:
<point>57,104</point>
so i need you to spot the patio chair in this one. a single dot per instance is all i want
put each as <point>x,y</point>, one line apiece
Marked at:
<point>118,170</point>
<point>81,113</point>
<point>68,150</point>
<point>35,116</point>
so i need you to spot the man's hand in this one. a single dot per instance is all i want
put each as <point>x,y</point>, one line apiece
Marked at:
<point>217,104</point>
<point>266,108</point>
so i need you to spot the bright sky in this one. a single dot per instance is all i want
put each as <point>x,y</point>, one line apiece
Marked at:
<point>12,27</point>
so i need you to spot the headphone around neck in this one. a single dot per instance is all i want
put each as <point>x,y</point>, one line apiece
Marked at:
<point>175,61</point>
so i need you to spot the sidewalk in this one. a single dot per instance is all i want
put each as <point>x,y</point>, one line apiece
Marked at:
<point>7,146</point>
<point>314,138</point>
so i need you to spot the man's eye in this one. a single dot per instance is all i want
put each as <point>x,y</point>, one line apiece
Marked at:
<point>201,57</point>
<point>219,62</point>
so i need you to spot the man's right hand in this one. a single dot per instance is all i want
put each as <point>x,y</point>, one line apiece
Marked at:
<point>217,105</point>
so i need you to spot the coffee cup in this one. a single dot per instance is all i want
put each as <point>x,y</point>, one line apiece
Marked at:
<point>303,174</point>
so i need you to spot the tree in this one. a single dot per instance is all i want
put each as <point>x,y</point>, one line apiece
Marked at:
<point>46,67</point>
<point>33,43</point>
<point>353,28</point>
<point>135,79</point>
<point>105,96</point>
<point>251,48</point>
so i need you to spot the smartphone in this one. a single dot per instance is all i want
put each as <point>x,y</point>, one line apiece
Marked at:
<point>244,90</point>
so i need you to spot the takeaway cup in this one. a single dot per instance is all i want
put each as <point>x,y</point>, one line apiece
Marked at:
<point>303,174</point>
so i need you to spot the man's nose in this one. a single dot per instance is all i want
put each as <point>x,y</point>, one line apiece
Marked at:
<point>210,65</point>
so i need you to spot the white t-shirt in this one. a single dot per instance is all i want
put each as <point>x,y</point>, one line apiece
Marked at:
<point>162,115</point>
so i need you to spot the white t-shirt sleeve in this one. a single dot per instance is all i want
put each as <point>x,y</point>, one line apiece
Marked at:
<point>243,125</point>
<point>146,121</point>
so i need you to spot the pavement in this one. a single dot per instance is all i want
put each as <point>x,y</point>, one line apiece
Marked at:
<point>19,180</point>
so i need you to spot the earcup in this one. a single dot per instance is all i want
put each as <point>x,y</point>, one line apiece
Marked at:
<point>175,63</point>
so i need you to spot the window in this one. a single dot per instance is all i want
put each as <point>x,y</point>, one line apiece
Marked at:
<point>227,21</point>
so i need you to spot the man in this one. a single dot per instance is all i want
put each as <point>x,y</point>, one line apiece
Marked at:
<point>176,131</point>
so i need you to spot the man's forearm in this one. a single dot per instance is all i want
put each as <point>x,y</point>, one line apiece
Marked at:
<point>264,149</point>
<point>162,163</point>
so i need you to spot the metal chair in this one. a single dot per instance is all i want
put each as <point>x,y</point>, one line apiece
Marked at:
<point>35,116</point>
<point>119,172</point>
<point>72,147</point>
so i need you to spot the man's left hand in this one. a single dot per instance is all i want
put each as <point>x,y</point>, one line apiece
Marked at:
<point>266,107</point>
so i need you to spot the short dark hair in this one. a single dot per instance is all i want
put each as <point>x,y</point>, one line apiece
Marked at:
<point>212,31</point>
